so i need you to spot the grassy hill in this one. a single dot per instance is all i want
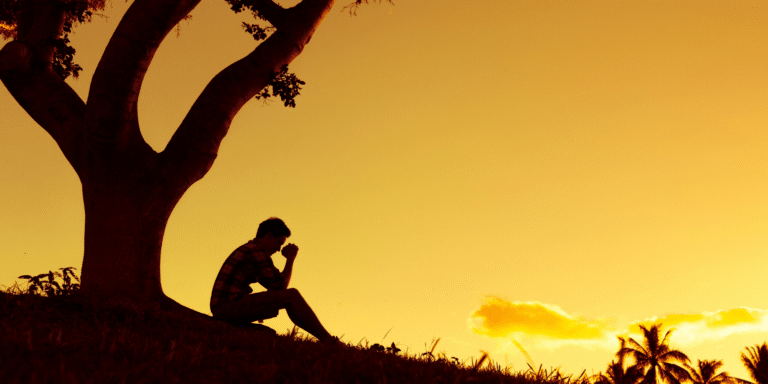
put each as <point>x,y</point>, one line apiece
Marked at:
<point>71,339</point>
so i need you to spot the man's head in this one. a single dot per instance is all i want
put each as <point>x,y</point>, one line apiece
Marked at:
<point>272,234</point>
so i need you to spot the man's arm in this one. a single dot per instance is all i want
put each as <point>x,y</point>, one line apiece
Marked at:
<point>289,251</point>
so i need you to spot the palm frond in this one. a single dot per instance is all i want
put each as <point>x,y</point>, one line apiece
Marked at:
<point>635,349</point>
<point>696,376</point>
<point>666,335</point>
<point>674,354</point>
<point>649,377</point>
<point>757,363</point>
<point>676,371</point>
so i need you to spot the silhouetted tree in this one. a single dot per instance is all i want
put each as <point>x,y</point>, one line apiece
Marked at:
<point>129,190</point>
<point>616,373</point>
<point>656,359</point>
<point>706,373</point>
<point>757,363</point>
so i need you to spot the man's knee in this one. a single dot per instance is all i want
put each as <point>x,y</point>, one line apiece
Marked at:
<point>293,294</point>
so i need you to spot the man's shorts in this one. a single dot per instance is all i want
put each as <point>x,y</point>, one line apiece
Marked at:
<point>245,310</point>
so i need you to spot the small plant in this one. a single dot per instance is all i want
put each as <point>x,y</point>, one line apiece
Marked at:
<point>393,349</point>
<point>14,289</point>
<point>544,376</point>
<point>45,284</point>
<point>429,355</point>
<point>380,348</point>
<point>480,362</point>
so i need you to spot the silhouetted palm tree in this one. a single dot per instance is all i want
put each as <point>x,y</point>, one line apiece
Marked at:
<point>706,373</point>
<point>616,374</point>
<point>757,363</point>
<point>656,359</point>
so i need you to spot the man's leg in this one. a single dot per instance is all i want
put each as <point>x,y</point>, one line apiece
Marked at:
<point>303,316</point>
<point>298,310</point>
<point>244,311</point>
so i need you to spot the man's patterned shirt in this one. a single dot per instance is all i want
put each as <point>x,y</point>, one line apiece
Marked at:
<point>248,264</point>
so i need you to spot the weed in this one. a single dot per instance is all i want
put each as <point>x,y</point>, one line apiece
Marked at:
<point>542,375</point>
<point>380,348</point>
<point>480,361</point>
<point>45,284</point>
<point>430,355</point>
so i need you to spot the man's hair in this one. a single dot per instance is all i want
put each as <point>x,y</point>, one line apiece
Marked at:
<point>274,226</point>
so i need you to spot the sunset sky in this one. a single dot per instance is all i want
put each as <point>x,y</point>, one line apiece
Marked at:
<point>548,173</point>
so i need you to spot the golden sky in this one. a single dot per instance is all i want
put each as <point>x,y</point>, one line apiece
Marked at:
<point>548,173</point>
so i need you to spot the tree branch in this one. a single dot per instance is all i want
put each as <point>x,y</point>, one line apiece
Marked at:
<point>26,70</point>
<point>270,11</point>
<point>52,104</point>
<point>111,117</point>
<point>194,146</point>
<point>357,3</point>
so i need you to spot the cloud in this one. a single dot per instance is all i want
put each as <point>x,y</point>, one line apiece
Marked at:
<point>548,326</point>
<point>540,325</point>
<point>500,318</point>
<point>694,328</point>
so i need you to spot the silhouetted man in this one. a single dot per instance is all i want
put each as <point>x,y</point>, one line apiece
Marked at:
<point>232,300</point>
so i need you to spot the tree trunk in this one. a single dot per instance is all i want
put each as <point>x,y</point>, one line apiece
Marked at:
<point>125,217</point>
<point>122,249</point>
<point>124,227</point>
